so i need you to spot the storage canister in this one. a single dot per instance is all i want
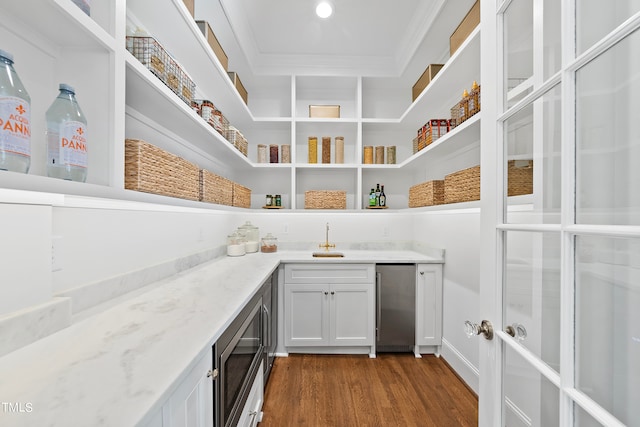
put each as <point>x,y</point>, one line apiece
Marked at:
<point>379,154</point>
<point>273,153</point>
<point>235,245</point>
<point>368,154</point>
<point>269,243</point>
<point>262,153</point>
<point>326,149</point>
<point>313,149</point>
<point>252,235</point>
<point>339,149</point>
<point>286,153</point>
<point>391,155</point>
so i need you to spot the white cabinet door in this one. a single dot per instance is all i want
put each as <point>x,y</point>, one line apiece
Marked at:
<point>191,404</point>
<point>429,305</point>
<point>351,316</point>
<point>329,306</point>
<point>306,314</point>
<point>252,411</point>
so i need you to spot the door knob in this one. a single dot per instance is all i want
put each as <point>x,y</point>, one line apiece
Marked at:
<point>517,331</point>
<point>485,328</point>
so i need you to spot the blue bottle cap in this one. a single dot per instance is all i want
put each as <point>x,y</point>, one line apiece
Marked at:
<point>6,55</point>
<point>68,88</point>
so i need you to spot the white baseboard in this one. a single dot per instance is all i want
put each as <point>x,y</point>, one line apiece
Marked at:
<point>463,367</point>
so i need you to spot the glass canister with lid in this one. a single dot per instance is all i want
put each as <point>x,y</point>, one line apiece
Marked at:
<point>252,234</point>
<point>236,244</point>
<point>269,243</point>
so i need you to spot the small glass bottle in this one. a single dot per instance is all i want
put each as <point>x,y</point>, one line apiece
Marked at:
<point>463,107</point>
<point>383,197</point>
<point>15,116</point>
<point>372,198</point>
<point>278,200</point>
<point>269,200</point>
<point>66,137</point>
<point>474,99</point>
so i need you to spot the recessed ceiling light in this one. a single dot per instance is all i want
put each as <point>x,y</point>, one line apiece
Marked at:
<point>324,9</point>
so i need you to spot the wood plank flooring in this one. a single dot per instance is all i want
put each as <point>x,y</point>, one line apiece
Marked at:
<point>354,390</point>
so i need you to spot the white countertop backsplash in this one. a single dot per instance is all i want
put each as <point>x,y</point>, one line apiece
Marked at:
<point>120,360</point>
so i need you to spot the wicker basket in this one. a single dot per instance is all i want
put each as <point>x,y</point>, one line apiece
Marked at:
<point>325,199</point>
<point>520,177</point>
<point>241,196</point>
<point>150,169</point>
<point>153,56</point>
<point>426,194</point>
<point>215,188</point>
<point>462,186</point>
<point>235,137</point>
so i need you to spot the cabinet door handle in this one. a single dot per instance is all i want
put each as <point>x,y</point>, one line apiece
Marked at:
<point>333,293</point>
<point>326,293</point>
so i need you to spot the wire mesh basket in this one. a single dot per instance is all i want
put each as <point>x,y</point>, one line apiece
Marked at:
<point>153,56</point>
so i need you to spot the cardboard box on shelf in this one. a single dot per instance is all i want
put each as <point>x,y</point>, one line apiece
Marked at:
<point>468,24</point>
<point>239,86</point>
<point>213,42</point>
<point>324,111</point>
<point>425,79</point>
<point>190,5</point>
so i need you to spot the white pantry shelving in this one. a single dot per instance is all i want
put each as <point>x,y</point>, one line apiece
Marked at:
<point>122,99</point>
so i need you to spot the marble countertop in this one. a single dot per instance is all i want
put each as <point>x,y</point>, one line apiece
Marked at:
<point>119,365</point>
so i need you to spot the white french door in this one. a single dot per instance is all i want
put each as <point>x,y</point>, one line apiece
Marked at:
<point>560,268</point>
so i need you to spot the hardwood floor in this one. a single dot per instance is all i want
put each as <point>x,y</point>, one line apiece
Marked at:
<point>391,390</point>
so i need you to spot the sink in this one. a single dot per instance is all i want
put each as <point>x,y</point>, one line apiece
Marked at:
<point>327,255</point>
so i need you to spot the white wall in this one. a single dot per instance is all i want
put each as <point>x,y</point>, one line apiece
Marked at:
<point>98,244</point>
<point>25,256</point>
<point>458,232</point>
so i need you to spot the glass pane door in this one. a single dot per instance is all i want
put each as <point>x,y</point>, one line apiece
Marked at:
<point>566,289</point>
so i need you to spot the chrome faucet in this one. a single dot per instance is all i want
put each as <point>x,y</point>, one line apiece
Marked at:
<point>326,244</point>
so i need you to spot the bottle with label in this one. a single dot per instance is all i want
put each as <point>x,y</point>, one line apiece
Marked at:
<point>377,195</point>
<point>66,137</point>
<point>15,119</point>
<point>463,107</point>
<point>383,197</point>
<point>372,198</point>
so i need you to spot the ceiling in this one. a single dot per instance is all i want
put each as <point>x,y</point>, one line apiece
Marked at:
<point>362,37</point>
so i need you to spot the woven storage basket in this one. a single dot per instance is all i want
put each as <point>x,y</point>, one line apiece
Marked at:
<point>462,186</point>
<point>150,169</point>
<point>235,137</point>
<point>426,194</point>
<point>241,196</point>
<point>325,199</point>
<point>215,188</point>
<point>520,179</point>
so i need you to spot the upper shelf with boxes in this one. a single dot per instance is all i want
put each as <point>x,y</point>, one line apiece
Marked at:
<point>179,92</point>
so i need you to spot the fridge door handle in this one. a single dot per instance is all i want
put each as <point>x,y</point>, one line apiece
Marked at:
<point>378,303</point>
<point>268,325</point>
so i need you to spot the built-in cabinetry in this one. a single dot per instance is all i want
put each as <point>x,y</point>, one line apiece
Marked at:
<point>252,412</point>
<point>329,309</point>
<point>191,402</point>
<point>428,308</point>
<point>122,99</point>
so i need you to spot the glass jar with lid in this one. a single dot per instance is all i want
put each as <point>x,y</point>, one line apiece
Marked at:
<point>236,244</point>
<point>269,243</point>
<point>252,234</point>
